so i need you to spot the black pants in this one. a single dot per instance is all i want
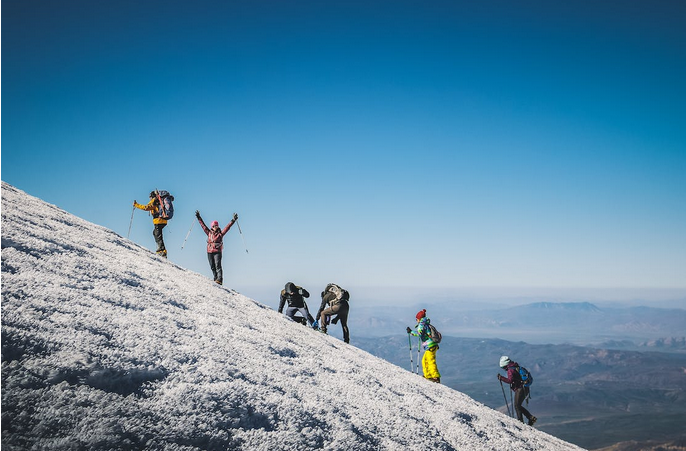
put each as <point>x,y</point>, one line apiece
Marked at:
<point>341,309</point>
<point>159,239</point>
<point>216,266</point>
<point>519,397</point>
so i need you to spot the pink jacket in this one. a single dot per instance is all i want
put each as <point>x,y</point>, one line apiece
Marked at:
<point>512,376</point>
<point>215,237</point>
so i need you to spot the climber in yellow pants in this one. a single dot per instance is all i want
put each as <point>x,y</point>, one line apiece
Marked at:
<point>429,360</point>
<point>429,364</point>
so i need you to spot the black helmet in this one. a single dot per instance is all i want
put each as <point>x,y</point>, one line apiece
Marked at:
<point>290,288</point>
<point>153,194</point>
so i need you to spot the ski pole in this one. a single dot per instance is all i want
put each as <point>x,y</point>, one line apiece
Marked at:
<point>131,222</point>
<point>504,396</point>
<point>409,340</point>
<point>241,233</point>
<point>189,232</point>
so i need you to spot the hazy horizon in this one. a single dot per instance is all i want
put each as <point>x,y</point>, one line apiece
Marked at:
<point>481,297</point>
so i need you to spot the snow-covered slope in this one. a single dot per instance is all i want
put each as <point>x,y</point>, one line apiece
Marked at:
<point>106,346</point>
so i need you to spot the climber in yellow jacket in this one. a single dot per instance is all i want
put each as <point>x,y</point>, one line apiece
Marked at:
<point>159,223</point>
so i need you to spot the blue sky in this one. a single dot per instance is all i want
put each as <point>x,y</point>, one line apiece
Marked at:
<point>395,144</point>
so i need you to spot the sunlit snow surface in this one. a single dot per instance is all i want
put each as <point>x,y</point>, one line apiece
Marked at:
<point>107,346</point>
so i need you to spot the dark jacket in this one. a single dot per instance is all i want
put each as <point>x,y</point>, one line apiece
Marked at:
<point>513,378</point>
<point>296,299</point>
<point>329,300</point>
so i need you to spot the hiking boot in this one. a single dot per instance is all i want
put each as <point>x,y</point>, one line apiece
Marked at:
<point>218,282</point>
<point>532,420</point>
<point>323,330</point>
<point>434,379</point>
<point>162,253</point>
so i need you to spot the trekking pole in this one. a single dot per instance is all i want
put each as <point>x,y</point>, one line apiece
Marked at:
<point>419,341</point>
<point>131,222</point>
<point>505,396</point>
<point>409,340</point>
<point>189,232</point>
<point>512,402</point>
<point>241,233</point>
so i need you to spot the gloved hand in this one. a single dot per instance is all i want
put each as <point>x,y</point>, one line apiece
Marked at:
<point>134,202</point>
<point>235,216</point>
<point>409,330</point>
<point>498,376</point>
<point>197,214</point>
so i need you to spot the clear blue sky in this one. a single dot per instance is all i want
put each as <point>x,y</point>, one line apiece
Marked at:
<point>406,143</point>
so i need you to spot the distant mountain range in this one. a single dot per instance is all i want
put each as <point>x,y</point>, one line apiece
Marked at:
<point>542,322</point>
<point>589,396</point>
<point>567,306</point>
<point>666,344</point>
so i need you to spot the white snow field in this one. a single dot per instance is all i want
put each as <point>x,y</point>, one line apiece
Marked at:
<point>107,346</point>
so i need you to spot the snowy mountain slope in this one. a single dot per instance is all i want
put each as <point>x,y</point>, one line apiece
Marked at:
<point>106,346</point>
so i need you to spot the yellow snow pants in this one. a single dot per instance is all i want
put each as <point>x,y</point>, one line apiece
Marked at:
<point>429,363</point>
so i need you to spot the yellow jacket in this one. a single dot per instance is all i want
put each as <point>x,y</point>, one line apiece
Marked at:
<point>154,209</point>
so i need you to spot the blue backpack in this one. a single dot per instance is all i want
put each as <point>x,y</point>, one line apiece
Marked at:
<point>525,375</point>
<point>166,204</point>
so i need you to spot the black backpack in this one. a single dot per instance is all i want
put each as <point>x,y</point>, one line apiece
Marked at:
<point>434,334</point>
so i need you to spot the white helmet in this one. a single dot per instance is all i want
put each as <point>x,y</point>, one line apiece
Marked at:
<point>504,361</point>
